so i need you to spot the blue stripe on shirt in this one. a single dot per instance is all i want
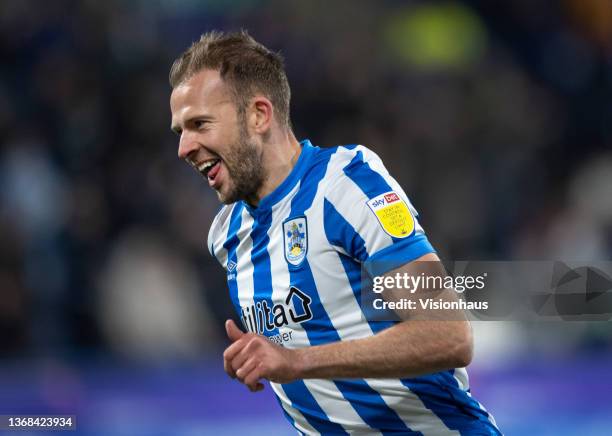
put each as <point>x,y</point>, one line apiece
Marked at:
<point>371,407</point>
<point>302,400</point>
<point>289,417</point>
<point>403,250</point>
<point>341,233</point>
<point>319,329</point>
<point>398,254</point>
<point>231,244</point>
<point>441,394</point>
<point>368,403</point>
<point>262,275</point>
<point>369,181</point>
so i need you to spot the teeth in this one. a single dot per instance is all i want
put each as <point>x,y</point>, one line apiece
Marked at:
<point>205,166</point>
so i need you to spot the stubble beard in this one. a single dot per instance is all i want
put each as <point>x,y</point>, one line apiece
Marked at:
<point>244,165</point>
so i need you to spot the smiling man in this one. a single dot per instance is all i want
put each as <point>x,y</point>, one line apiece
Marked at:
<point>298,225</point>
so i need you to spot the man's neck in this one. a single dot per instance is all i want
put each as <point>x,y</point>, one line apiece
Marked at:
<point>278,160</point>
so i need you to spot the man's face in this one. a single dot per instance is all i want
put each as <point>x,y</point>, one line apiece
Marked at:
<point>215,138</point>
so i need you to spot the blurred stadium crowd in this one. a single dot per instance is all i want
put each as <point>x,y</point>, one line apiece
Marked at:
<point>496,118</point>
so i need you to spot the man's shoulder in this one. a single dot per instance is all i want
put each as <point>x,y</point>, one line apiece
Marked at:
<point>341,158</point>
<point>222,216</point>
<point>346,151</point>
<point>219,225</point>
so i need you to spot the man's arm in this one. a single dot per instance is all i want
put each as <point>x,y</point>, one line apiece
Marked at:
<point>408,349</point>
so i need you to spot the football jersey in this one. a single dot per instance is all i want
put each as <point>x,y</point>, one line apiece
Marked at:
<point>294,266</point>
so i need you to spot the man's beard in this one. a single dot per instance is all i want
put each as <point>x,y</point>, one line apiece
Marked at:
<point>244,165</point>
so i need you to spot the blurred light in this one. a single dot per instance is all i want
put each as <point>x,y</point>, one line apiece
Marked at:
<point>593,18</point>
<point>437,36</point>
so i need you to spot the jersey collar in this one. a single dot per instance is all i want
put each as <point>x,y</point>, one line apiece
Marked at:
<point>288,184</point>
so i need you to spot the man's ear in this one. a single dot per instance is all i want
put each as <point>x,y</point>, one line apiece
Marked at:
<point>262,111</point>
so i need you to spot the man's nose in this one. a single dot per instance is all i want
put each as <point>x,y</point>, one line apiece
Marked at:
<point>187,145</point>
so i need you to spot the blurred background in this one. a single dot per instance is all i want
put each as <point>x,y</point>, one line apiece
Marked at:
<point>496,118</point>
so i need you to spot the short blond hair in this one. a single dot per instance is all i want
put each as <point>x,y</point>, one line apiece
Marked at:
<point>244,64</point>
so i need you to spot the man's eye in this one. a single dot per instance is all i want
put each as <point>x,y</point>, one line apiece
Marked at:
<point>200,123</point>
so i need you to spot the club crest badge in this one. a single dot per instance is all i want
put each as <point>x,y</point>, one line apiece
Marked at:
<point>295,233</point>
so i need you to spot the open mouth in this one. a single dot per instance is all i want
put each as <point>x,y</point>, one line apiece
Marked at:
<point>209,168</point>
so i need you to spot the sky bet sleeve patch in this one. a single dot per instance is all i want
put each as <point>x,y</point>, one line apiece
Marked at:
<point>393,214</point>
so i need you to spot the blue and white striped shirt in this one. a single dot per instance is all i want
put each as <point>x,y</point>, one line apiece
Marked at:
<point>294,274</point>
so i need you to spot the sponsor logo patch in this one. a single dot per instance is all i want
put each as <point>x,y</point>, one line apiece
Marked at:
<point>393,214</point>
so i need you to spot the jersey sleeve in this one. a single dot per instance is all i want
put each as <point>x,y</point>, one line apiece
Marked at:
<point>217,235</point>
<point>368,216</point>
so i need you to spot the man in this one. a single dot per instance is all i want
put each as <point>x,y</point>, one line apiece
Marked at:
<point>298,224</point>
